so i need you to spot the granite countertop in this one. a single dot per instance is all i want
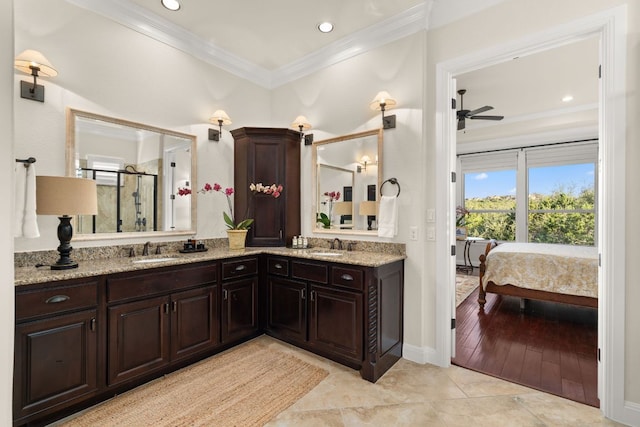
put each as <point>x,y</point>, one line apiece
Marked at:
<point>89,268</point>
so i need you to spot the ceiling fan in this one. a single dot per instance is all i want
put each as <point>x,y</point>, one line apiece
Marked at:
<point>472,114</point>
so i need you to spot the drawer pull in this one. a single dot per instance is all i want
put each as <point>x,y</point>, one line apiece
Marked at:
<point>57,299</point>
<point>225,294</point>
<point>92,324</point>
<point>174,306</point>
<point>347,277</point>
<point>241,267</point>
<point>303,294</point>
<point>165,306</point>
<point>278,266</point>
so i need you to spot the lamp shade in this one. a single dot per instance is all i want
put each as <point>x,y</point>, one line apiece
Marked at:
<point>34,58</point>
<point>220,115</point>
<point>301,121</point>
<point>382,97</point>
<point>343,208</point>
<point>62,195</point>
<point>367,208</point>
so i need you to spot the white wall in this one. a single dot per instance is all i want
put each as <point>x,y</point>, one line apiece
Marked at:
<point>6,193</point>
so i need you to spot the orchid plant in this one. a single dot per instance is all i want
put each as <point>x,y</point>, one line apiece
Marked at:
<point>461,213</point>
<point>322,217</point>
<point>272,190</point>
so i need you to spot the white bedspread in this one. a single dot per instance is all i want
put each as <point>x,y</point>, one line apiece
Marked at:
<point>564,269</point>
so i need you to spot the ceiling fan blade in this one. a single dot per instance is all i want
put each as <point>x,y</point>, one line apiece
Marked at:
<point>479,110</point>
<point>487,117</point>
<point>461,123</point>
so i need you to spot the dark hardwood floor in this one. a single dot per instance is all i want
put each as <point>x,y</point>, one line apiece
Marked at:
<point>549,347</point>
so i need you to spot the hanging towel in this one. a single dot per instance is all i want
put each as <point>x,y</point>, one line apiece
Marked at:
<point>25,224</point>
<point>388,217</point>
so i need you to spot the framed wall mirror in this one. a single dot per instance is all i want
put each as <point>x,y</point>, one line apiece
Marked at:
<point>347,177</point>
<point>138,169</point>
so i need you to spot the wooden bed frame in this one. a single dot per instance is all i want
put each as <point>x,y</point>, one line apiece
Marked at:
<point>514,290</point>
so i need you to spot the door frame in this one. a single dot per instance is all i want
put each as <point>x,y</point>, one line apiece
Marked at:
<point>610,27</point>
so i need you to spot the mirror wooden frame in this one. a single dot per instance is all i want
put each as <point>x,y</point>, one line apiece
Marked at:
<point>314,167</point>
<point>70,158</point>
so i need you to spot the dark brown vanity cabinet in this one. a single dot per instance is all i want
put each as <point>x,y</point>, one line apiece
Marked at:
<point>350,314</point>
<point>152,323</point>
<point>268,156</point>
<point>56,347</point>
<point>239,299</point>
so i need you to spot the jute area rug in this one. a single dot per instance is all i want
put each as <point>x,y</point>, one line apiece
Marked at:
<point>245,386</point>
<point>465,285</point>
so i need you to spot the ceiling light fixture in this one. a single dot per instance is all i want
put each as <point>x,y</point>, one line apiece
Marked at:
<point>325,27</point>
<point>171,4</point>
<point>567,98</point>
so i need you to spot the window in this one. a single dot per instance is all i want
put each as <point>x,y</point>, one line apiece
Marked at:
<point>538,194</point>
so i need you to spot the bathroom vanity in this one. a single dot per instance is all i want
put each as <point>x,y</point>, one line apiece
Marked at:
<point>86,335</point>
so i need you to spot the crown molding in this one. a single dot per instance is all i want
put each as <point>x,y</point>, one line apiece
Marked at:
<point>141,20</point>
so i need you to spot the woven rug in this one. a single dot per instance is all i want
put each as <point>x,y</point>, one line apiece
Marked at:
<point>465,285</point>
<point>245,386</point>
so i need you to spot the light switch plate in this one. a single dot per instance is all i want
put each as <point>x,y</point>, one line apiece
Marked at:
<point>431,233</point>
<point>431,215</point>
<point>413,232</point>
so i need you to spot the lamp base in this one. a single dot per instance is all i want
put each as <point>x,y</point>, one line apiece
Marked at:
<point>68,266</point>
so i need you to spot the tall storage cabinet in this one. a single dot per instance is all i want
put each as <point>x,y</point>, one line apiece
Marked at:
<point>269,156</point>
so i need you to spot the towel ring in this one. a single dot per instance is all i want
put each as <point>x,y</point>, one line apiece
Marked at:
<point>393,181</point>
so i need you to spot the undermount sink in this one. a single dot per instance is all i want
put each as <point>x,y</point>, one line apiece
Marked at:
<point>149,260</point>
<point>327,253</point>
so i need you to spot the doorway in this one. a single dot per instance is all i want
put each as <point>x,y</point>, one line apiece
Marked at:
<point>609,26</point>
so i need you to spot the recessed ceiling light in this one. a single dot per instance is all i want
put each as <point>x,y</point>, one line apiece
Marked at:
<point>171,4</point>
<point>325,27</point>
<point>567,98</point>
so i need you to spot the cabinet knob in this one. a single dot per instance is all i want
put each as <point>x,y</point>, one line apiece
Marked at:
<point>57,299</point>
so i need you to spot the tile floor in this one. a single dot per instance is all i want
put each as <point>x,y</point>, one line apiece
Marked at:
<point>410,394</point>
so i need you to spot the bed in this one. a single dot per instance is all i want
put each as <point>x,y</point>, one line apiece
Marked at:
<point>540,271</point>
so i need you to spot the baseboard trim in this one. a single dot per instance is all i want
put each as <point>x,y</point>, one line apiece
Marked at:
<point>420,355</point>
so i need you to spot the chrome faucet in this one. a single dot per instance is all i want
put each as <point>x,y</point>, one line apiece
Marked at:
<point>339,244</point>
<point>145,249</point>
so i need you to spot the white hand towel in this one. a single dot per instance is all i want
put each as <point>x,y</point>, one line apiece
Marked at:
<point>388,217</point>
<point>26,224</point>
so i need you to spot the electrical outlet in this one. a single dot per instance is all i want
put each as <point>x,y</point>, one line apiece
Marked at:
<point>431,233</point>
<point>413,232</point>
<point>431,215</point>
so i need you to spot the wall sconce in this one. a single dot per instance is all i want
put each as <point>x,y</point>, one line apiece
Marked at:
<point>363,163</point>
<point>64,196</point>
<point>301,123</point>
<point>381,102</point>
<point>368,209</point>
<point>34,63</point>
<point>220,117</point>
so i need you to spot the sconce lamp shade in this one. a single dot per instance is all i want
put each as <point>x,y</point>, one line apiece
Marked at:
<point>367,208</point>
<point>220,117</point>
<point>301,123</point>
<point>343,208</point>
<point>32,58</point>
<point>382,101</point>
<point>62,195</point>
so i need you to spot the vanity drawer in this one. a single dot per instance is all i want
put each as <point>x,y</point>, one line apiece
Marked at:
<point>58,299</point>
<point>128,286</point>
<point>307,271</point>
<point>347,277</point>
<point>239,268</point>
<point>279,266</point>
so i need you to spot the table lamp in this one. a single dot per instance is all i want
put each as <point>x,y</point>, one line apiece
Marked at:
<point>64,196</point>
<point>368,209</point>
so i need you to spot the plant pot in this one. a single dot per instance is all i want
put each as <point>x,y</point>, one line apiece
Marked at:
<point>236,239</point>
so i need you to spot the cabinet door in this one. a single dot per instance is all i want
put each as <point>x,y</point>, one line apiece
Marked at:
<point>139,337</point>
<point>194,321</point>
<point>287,308</point>
<point>335,321</point>
<point>239,309</point>
<point>55,362</point>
